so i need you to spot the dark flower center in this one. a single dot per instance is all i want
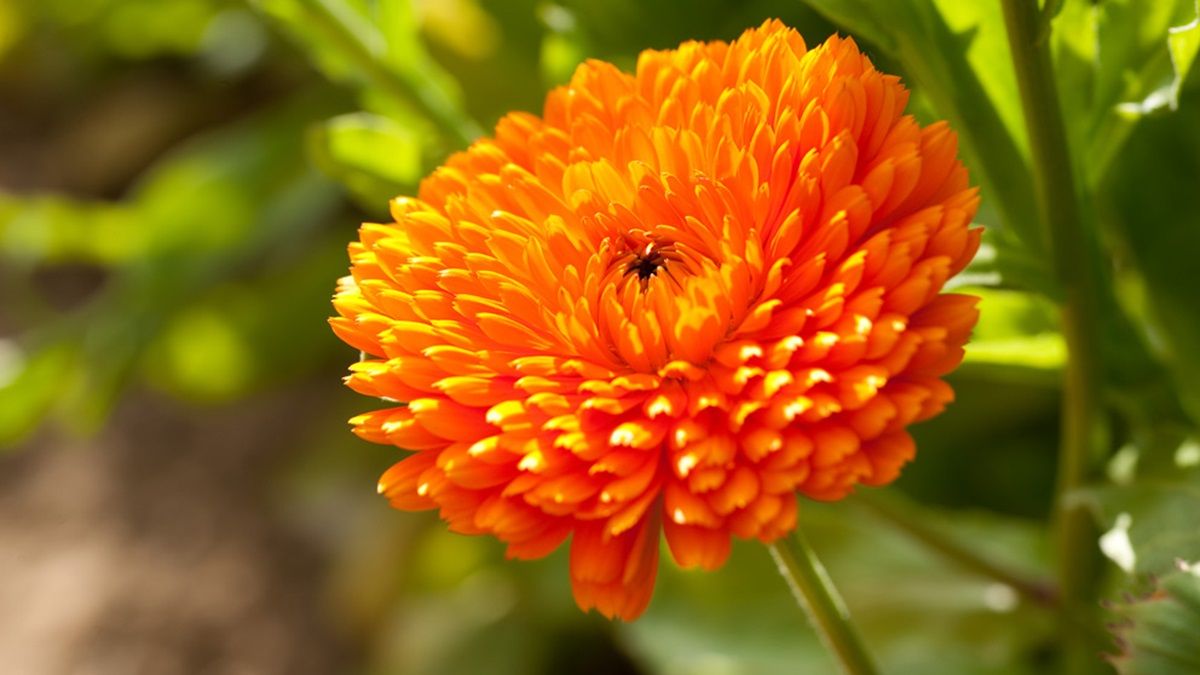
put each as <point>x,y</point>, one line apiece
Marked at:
<point>647,262</point>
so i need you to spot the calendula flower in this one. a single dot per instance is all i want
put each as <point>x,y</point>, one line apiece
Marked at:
<point>675,300</point>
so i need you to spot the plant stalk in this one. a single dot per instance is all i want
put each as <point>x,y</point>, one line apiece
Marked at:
<point>1073,251</point>
<point>819,598</point>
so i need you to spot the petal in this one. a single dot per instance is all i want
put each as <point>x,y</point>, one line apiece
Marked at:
<point>697,546</point>
<point>615,575</point>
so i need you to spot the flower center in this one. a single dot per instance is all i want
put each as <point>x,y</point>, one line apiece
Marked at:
<point>649,259</point>
<point>642,260</point>
<point>647,262</point>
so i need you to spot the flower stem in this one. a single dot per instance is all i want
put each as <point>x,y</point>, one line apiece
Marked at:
<point>815,593</point>
<point>1073,250</point>
<point>910,520</point>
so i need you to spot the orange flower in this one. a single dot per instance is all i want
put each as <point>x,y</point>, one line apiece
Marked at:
<point>668,305</point>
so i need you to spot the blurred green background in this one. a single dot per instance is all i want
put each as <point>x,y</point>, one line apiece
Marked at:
<point>179,492</point>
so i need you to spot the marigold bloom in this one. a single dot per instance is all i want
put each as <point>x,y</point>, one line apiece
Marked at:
<point>667,305</point>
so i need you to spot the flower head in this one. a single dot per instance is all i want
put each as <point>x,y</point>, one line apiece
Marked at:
<point>666,306</point>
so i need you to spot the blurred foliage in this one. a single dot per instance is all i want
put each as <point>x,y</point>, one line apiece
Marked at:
<point>198,166</point>
<point>939,620</point>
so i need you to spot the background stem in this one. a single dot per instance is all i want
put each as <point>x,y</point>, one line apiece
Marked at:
<point>915,522</point>
<point>1073,250</point>
<point>816,593</point>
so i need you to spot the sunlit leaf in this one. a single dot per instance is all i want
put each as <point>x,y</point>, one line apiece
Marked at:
<point>55,229</point>
<point>462,26</point>
<point>349,46</point>
<point>373,156</point>
<point>1183,42</point>
<point>1016,339</point>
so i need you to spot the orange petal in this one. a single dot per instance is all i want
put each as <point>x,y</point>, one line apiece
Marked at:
<point>615,574</point>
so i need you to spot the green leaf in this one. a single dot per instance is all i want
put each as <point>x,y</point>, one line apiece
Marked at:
<point>1149,210</point>
<point>1116,62</point>
<point>1157,633</point>
<point>1150,522</point>
<point>373,156</point>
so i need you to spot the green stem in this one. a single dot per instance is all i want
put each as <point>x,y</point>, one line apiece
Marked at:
<point>908,519</point>
<point>1073,251</point>
<point>438,108</point>
<point>816,594</point>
